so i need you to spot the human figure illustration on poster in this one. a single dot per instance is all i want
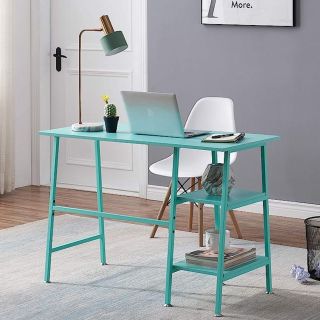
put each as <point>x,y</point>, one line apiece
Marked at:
<point>211,9</point>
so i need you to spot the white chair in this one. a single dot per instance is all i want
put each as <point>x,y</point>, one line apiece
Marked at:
<point>211,114</point>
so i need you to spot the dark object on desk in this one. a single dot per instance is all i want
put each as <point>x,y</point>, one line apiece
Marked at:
<point>222,135</point>
<point>313,246</point>
<point>212,179</point>
<point>225,138</point>
<point>110,116</point>
<point>111,124</point>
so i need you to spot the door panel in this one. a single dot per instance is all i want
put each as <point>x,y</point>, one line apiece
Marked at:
<point>123,165</point>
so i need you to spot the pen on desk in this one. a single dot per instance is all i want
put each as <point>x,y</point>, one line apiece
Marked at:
<point>222,135</point>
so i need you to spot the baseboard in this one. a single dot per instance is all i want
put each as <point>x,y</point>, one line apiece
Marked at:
<point>277,207</point>
<point>156,192</point>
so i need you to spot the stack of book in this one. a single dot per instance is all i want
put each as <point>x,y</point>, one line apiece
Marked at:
<point>232,257</point>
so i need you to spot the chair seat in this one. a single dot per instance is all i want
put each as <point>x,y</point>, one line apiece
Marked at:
<point>192,163</point>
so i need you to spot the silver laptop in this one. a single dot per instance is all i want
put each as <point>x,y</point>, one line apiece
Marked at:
<point>155,114</point>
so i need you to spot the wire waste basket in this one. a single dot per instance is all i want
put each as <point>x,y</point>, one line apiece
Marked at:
<point>313,246</point>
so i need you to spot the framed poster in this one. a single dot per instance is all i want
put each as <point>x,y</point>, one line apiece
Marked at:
<point>248,12</point>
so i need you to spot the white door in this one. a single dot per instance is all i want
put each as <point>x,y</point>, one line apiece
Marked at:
<point>124,166</point>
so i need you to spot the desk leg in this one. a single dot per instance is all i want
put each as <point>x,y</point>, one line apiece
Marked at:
<point>52,199</point>
<point>172,226</point>
<point>100,202</point>
<point>222,233</point>
<point>214,159</point>
<point>264,173</point>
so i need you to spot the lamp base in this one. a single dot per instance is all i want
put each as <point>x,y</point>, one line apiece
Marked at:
<point>87,127</point>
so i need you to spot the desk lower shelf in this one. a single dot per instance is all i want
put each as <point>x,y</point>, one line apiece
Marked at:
<point>259,262</point>
<point>237,198</point>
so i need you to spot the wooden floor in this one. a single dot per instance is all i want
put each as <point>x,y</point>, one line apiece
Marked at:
<point>31,203</point>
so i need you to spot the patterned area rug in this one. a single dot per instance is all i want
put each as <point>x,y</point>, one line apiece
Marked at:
<point>132,285</point>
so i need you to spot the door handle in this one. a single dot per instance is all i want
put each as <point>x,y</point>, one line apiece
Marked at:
<point>58,57</point>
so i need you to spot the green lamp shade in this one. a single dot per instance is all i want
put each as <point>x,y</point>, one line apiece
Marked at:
<point>113,43</point>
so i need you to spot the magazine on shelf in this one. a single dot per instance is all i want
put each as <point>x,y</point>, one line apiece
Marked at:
<point>232,257</point>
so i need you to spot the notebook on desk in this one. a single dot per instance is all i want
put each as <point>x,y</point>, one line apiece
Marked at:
<point>224,137</point>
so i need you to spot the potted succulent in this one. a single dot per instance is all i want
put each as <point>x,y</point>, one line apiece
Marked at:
<point>110,115</point>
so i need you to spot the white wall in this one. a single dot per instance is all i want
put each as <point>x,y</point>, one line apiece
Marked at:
<point>22,92</point>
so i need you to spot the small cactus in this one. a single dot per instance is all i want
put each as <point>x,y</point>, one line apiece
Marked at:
<point>110,110</point>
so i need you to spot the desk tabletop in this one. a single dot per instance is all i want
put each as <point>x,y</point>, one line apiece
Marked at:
<point>250,140</point>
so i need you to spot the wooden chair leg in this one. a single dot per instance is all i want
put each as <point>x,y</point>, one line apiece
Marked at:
<point>161,211</point>
<point>193,181</point>
<point>200,217</point>
<point>235,223</point>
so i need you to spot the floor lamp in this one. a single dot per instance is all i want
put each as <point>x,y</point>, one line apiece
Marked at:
<point>112,42</point>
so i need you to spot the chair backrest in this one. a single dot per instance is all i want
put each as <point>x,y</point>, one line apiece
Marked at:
<point>212,114</point>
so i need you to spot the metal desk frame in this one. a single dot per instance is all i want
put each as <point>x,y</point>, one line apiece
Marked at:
<point>236,199</point>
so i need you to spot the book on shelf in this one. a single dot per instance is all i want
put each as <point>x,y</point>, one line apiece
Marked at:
<point>232,257</point>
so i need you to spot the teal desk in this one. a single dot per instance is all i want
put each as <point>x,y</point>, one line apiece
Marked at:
<point>236,199</point>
